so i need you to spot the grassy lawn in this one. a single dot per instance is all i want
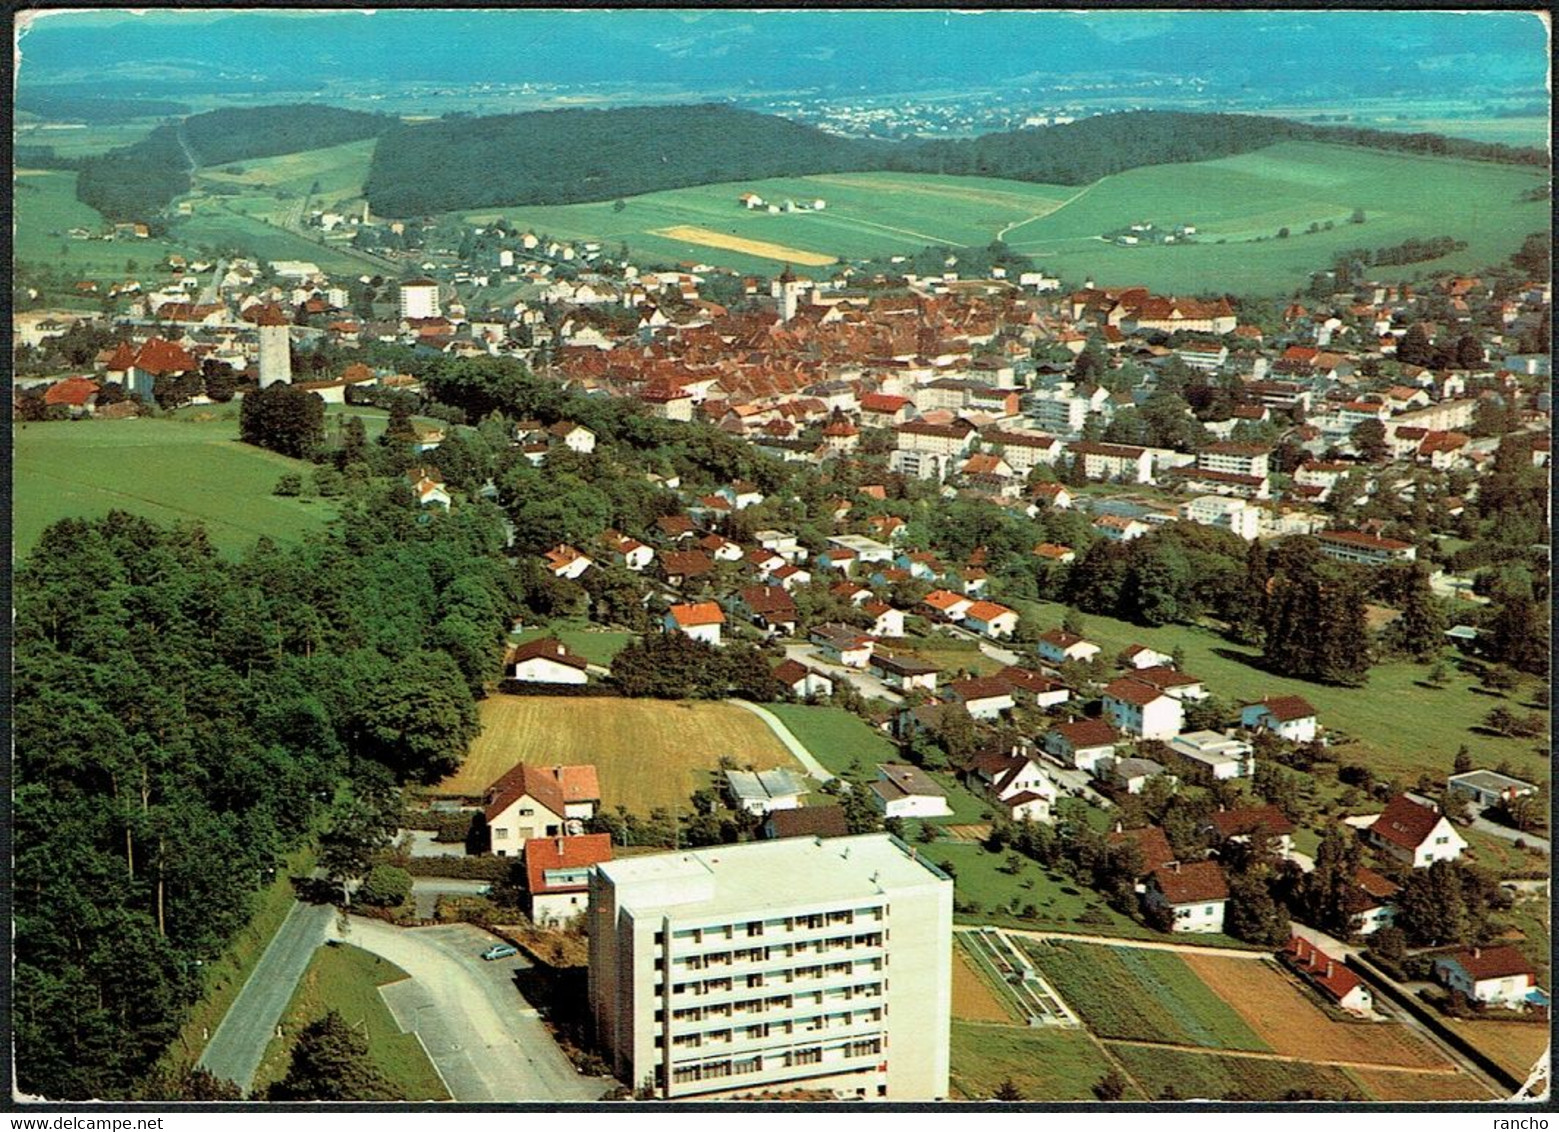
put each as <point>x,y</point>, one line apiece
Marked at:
<point>47,208</point>
<point>598,646</point>
<point>1399,726</point>
<point>952,654</point>
<point>837,738</point>
<point>165,470</point>
<point>1125,992</point>
<point>1059,902</point>
<point>648,753</point>
<point>1046,1064</point>
<point>225,976</point>
<point>1501,857</point>
<point>347,979</point>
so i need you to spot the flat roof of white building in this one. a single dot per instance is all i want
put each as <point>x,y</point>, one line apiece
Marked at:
<point>765,877</point>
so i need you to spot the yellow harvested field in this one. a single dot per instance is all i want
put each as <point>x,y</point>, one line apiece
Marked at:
<point>1385,1085</point>
<point>973,1000</point>
<point>707,238</point>
<point>647,753</point>
<point>1514,1046</point>
<point>1289,1020</point>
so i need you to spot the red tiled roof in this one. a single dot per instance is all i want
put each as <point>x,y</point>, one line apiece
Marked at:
<point>1086,733</point>
<point>1196,883</point>
<point>551,786</point>
<point>1329,974</point>
<point>1286,709</point>
<point>1405,823</point>
<point>986,611</point>
<point>72,391</point>
<point>985,688</point>
<point>547,648</point>
<point>697,613</point>
<point>1265,821</point>
<point>1131,691</point>
<point>544,853</point>
<point>1150,842</point>
<point>1492,962</point>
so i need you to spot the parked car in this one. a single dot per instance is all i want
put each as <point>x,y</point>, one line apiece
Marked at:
<point>500,951</point>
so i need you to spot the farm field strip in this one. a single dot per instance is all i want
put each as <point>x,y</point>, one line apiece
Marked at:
<point>760,248</point>
<point>1136,993</point>
<point>1292,1023</point>
<point>975,999</point>
<point>649,753</point>
<point>1191,1048</point>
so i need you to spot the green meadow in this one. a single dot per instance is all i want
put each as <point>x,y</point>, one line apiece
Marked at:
<point>166,470</point>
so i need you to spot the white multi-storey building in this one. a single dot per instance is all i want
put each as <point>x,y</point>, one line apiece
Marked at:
<point>419,298</point>
<point>773,966</point>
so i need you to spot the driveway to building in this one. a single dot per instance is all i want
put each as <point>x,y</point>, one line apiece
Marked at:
<point>865,683</point>
<point>425,891</point>
<point>486,1041</point>
<point>995,652</point>
<point>235,1050</point>
<point>1505,833</point>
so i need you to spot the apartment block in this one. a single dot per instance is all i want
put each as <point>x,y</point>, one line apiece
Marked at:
<point>816,964</point>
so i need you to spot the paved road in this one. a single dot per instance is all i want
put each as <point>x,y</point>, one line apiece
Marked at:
<point>865,683</point>
<point>235,1050</point>
<point>1115,941</point>
<point>1505,833</point>
<point>486,1041</point>
<point>816,769</point>
<point>1075,782</point>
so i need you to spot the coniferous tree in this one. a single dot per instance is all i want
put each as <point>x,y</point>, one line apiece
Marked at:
<point>330,1063</point>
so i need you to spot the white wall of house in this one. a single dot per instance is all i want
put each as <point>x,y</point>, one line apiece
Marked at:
<point>541,670</point>
<point>1161,718</point>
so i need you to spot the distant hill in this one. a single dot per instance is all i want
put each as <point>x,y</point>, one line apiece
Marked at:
<point>137,182</point>
<point>570,156</point>
<point>575,156</point>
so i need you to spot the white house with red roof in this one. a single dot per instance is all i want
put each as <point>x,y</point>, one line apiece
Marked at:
<point>1034,687</point>
<point>945,605</point>
<point>991,619</point>
<point>802,681</point>
<point>545,661</point>
<point>1057,646</point>
<point>1084,744</point>
<point>1288,717</point>
<point>566,562</point>
<point>983,697</point>
<point>1496,976</point>
<point>628,552</point>
<point>557,876</point>
<point>1372,901</point>
<point>887,621</point>
<point>1013,781</point>
<point>700,620</point>
<point>1415,833</point>
<point>1142,710</point>
<point>1336,983</point>
<point>538,801</point>
<point>1195,894</point>
<point>1141,656</point>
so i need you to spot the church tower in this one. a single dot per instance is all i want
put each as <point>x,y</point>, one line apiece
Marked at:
<point>275,346</point>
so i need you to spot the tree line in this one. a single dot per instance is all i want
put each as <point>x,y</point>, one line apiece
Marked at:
<point>181,721</point>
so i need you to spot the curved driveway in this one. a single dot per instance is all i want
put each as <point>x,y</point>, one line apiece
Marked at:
<point>486,1041</point>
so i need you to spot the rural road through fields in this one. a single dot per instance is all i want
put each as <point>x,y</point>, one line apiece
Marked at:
<point>235,1050</point>
<point>816,769</point>
<point>486,1041</point>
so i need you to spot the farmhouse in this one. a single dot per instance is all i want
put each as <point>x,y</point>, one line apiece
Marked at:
<point>1194,895</point>
<point>699,620</point>
<point>546,661</point>
<point>1414,833</point>
<point>1495,976</point>
<point>557,875</point>
<point>903,791</point>
<point>1335,982</point>
<point>532,801</point>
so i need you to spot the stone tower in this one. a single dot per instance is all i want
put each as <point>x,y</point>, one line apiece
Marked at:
<point>275,346</point>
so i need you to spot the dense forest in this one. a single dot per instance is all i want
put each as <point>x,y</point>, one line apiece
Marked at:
<point>95,108</point>
<point>182,721</point>
<point>137,182</point>
<point>567,156</point>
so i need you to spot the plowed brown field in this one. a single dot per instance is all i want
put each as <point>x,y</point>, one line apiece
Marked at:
<point>973,1000</point>
<point>1384,1085</point>
<point>1283,1014</point>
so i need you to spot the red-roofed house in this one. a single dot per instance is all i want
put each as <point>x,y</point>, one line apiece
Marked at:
<point>1335,981</point>
<point>538,801</point>
<point>700,620</point>
<point>984,698</point>
<point>802,681</point>
<point>1151,844</point>
<point>990,618</point>
<point>1140,709</point>
<point>546,661</point>
<point>1194,894</point>
<point>1038,689</point>
<point>944,605</point>
<point>1498,976</point>
<point>1264,822</point>
<point>1288,717</point>
<point>557,875</point>
<point>1415,834</point>
<point>1083,744</point>
<point>566,562</point>
<point>1013,781</point>
<point>1057,646</point>
<point>76,394</point>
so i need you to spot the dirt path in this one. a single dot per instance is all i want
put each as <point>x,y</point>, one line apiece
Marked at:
<point>1440,1071</point>
<point>1116,941</point>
